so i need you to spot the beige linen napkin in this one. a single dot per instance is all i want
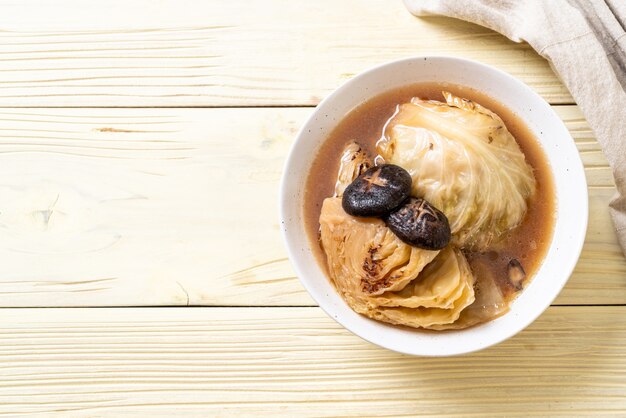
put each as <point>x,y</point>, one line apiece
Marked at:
<point>585,42</point>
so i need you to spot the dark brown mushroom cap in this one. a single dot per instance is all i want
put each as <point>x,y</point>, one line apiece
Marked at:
<point>516,274</point>
<point>420,224</point>
<point>377,191</point>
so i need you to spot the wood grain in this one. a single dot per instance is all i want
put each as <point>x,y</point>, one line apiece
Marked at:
<point>297,362</point>
<point>129,207</point>
<point>215,53</point>
<point>101,206</point>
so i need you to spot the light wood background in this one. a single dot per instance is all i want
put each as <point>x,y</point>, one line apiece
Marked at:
<point>141,145</point>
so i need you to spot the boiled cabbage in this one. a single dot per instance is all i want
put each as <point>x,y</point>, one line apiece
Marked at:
<point>489,303</point>
<point>431,318</point>
<point>367,279</point>
<point>364,256</point>
<point>465,162</point>
<point>363,253</point>
<point>380,276</point>
<point>354,162</point>
<point>439,285</point>
<point>448,263</point>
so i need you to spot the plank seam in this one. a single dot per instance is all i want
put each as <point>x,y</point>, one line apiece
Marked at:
<point>268,106</point>
<point>596,305</point>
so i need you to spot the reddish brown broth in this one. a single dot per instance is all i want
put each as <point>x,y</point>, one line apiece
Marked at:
<point>528,242</point>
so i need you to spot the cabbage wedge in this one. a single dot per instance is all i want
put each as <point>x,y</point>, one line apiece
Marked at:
<point>382,277</point>
<point>465,162</point>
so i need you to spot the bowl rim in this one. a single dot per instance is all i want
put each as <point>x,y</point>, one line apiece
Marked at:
<point>297,263</point>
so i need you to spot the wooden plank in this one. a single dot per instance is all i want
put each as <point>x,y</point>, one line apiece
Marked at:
<point>210,53</point>
<point>297,362</point>
<point>132,207</point>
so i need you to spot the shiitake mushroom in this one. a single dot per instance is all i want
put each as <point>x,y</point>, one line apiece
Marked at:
<point>377,191</point>
<point>420,224</point>
<point>516,274</point>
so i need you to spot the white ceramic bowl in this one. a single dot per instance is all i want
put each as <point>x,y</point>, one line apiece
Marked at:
<point>570,184</point>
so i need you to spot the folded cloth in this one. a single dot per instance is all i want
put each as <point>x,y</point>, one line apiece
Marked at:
<point>585,42</point>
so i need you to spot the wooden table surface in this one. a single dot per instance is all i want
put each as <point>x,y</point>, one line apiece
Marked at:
<point>143,272</point>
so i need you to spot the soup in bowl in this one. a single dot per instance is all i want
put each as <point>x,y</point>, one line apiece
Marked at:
<point>421,205</point>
